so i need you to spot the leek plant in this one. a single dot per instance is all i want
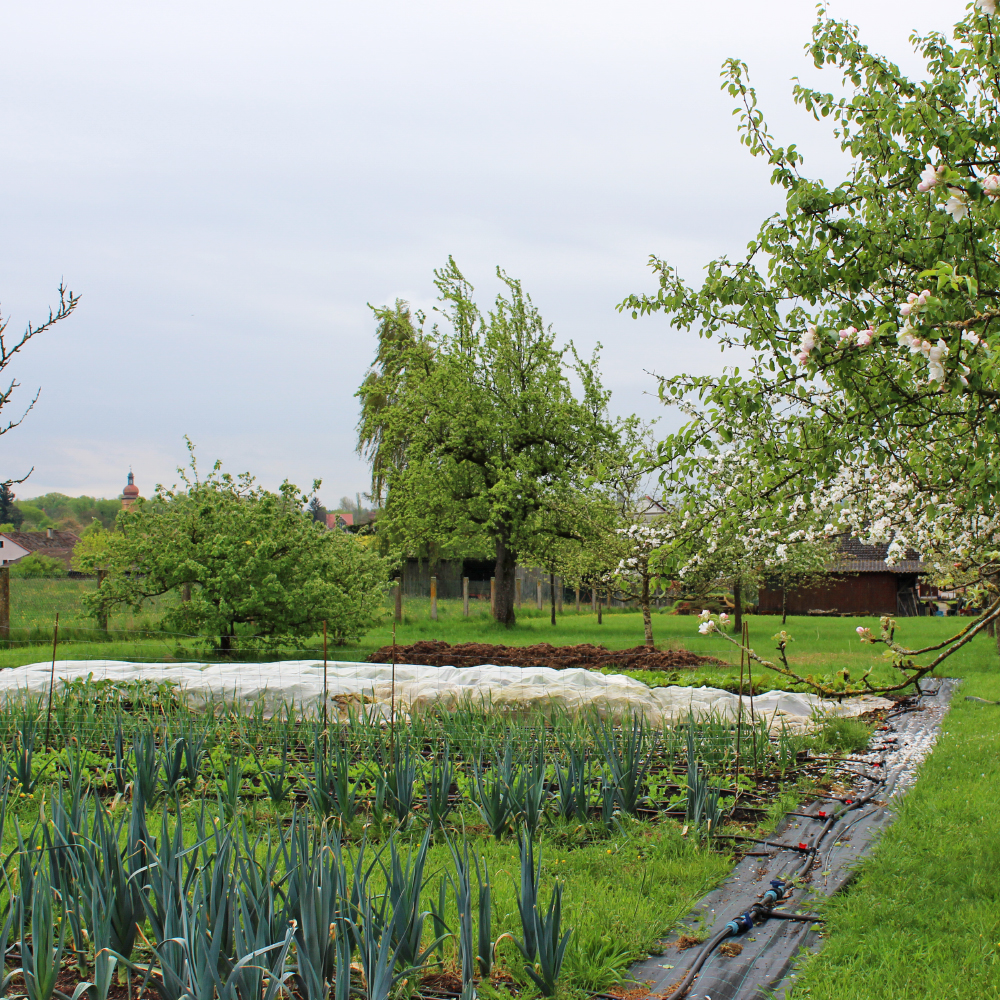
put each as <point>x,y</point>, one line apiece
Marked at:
<point>542,945</point>
<point>437,791</point>
<point>494,795</point>
<point>627,752</point>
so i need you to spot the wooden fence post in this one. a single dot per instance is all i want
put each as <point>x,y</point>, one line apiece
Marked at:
<point>465,596</point>
<point>517,592</point>
<point>577,600</point>
<point>493,595</point>
<point>399,598</point>
<point>538,593</point>
<point>559,595</point>
<point>434,598</point>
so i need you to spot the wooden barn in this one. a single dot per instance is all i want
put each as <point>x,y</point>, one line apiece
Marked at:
<point>860,583</point>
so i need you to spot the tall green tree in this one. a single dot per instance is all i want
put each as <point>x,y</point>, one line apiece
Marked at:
<point>474,427</point>
<point>870,307</point>
<point>9,511</point>
<point>255,563</point>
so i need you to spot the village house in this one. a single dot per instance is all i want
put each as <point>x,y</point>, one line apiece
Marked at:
<point>56,544</point>
<point>52,542</point>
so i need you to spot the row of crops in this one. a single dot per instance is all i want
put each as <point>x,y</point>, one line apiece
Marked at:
<point>222,853</point>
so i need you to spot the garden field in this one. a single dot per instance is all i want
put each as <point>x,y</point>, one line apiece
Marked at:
<point>203,837</point>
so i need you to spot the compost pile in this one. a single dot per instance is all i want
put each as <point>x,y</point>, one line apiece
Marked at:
<point>434,653</point>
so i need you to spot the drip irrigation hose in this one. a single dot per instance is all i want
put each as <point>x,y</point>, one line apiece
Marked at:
<point>780,888</point>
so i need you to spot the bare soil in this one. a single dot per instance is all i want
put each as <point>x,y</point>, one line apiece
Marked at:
<point>434,653</point>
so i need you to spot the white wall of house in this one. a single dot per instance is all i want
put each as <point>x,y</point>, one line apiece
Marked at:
<point>10,551</point>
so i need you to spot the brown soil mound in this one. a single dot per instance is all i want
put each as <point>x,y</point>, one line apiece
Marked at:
<point>473,654</point>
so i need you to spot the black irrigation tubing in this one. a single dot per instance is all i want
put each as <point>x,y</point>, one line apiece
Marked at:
<point>781,887</point>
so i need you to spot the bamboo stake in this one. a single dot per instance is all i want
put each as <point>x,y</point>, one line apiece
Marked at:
<point>746,645</point>
<point>739,721</point>
<point>52,679</point>
<point>325,693</point>
<point>392,702</point>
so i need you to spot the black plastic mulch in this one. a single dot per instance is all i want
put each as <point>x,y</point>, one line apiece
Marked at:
<point>764,962</point>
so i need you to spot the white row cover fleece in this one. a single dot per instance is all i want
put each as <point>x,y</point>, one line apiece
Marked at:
<point>417,688</point>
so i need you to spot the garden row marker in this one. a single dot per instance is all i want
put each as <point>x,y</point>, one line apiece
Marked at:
<point>465,596</point>
<point>52,679</point>
<point>577,600</point>
<point>399,598</point>
<point>517,592</point>
<point>434,598</point>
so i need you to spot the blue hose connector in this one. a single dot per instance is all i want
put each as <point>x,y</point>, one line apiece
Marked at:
<point>742,923</point>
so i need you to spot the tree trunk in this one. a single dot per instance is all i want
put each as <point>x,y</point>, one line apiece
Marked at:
<point>552,595</point>
<point>226,641</point>
<point>503,602</point>
<point>737,605</point>
<point>647,621</point>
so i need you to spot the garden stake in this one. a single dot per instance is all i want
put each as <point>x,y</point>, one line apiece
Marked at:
<point>746,645</point>
<point>739,724</point>
<point>52,679</point>
<point>392,702</point>
<point>325,697</point>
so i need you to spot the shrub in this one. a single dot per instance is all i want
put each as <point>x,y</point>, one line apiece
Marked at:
<point>35,565</point>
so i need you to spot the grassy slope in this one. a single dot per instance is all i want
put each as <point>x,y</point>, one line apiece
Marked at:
<point>923,917</point>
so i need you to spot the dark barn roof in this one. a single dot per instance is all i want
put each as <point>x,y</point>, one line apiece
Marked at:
<point>856,557</point>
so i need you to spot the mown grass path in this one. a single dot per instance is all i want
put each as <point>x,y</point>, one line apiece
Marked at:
<point>923,917</point>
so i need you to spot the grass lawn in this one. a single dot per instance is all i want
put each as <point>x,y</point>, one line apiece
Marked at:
<point>923,917</point>
<point>821,645</point>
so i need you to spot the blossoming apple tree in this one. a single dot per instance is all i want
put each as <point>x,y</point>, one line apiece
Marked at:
<point>871,309</point>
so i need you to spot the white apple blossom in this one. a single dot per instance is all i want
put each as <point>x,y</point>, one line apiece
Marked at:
<point>929,177</point>
<point>705,616</point>
<point>865,337</point>
<point>991,185</point>
<point>935,362</point>
<point>987,6</point>
<point>706,628</point>
<point>970,338</point>
<point>957,206</point>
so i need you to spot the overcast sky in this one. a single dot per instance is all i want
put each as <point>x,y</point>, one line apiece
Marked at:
<point>228,184</point>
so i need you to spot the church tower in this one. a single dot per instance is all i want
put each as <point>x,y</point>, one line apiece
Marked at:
<point>131,492</point>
